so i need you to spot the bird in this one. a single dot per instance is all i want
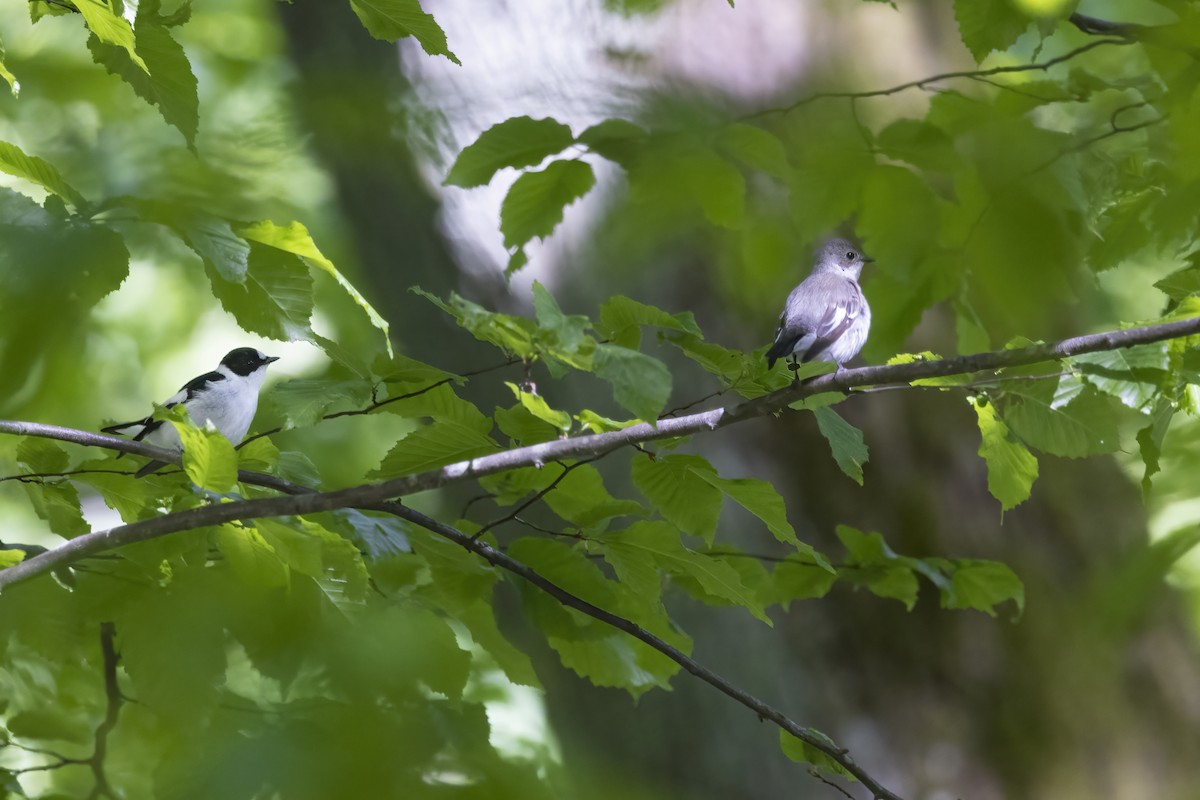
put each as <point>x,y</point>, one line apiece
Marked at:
<point>226,397</point>
<point>826,317</point>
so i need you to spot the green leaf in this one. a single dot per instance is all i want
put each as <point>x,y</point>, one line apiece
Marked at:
<point>56,502</point>
<point>565,333</point>
<point>617,140</point>
<point>1150,440</point>
<point>162,78</point>
<point>759,498</point>
<point>621,320</point>
<point>799,578</point>
<point>534,205</point>
<point>221,249</point>
<point>755,148</point>
<point>640,383</point>
<point>846,442</point>
<point>251,557</point>
<point>833,159</point>
<point>510,333</point>
<point>1012,469</point>
<point>304,402</point>
<point>802,752</point>
<point>1132,375</point>
<point>522,427</point>
<point>390,20</point>
<point>982,585</point>
<point>674,486</point>
<point>13,84</point>
<point>110,27</point>
<point>516,142</point>
<point>987,25</point>
<point>1085,426</point>
<point>536,405</point>
<point>433,446</point>
<point>920,144</point>
<point>871,563</point>
<point>208,457</point>
<point>294,238</point>
<point>10,557</point>
<point>31,168</point>
<point>132,499</point>
<point>660,541</point>
<point>380,535</point>
<point>1181,284</point>
<point>276,299</point>
<point>582,499</point>
<point>442,404</point>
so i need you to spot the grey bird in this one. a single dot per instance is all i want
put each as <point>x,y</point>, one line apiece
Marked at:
<point>826,317</point>
<point>226,397</point>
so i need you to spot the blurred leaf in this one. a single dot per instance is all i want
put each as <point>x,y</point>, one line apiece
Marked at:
<point>846,442</point>
<point>617,140</point>
<point>987,25</point>
<point>221,249</point>
<point>755,148</point>
<point>432,446</point>
<point>11,79</point>
<point>582,499</point>
<point>799,578</point>
<point>251,556</point>
<point>305,402</point>
<point>33,169</point>
<point>566,332</point>
<point>871,563</point>
<point>10,557</point>
<point>380,535</point>
<point>159,73</point>
<point>535,202</point>
<point>1012,469</point>
<point>110,27</point>
<point>1150,440</point>
<point>641,384</point>
<point>1181,284</point>
<point>390,20</point>
<point>919,143</point>
<point>516,142</point>
<point>833,159</point>
<point>294,238</point>
<point>800,751</point>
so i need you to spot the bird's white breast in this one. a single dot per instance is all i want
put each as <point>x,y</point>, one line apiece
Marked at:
<point>229,404</point>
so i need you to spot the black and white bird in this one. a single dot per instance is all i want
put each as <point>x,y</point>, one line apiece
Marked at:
<point>826,317</point>
<point>227,397</point>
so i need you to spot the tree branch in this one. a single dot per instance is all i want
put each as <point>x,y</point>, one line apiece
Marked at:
<point>112,694</point>
<point>539,454</point>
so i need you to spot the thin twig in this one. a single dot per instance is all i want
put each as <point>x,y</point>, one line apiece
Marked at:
<point>112,694</point>
<point>536,497</point>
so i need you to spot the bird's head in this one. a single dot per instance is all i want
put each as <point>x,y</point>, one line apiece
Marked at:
<point>246,360</point>
<point>840,257</point>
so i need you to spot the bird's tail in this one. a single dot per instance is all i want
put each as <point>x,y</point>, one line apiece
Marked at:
<point>780,349</point>
<point>153,466</point>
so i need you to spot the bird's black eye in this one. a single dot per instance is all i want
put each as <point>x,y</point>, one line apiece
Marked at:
<point>850,254</point>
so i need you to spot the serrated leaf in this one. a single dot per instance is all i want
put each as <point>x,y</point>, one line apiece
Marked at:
<point>640,383</point>
<point>110,27</point>
<point>983,585</point>
<point>208,457</point>
<point>276,299</point>
<point>294,238</point>
<point>510,333</point>
<point>251,556</point>
<point>1085,426</point>
<point>987,25</point>
<point>221,249</point>
<point>516,142</point>
<point>304,402</point>
<point>432,446</point>
<point>56,502</point>
<point>442,404</point>
<point>390,20</point>
<point>162,77</point>
<point>757,497</point>
<point>799,578</point>
<point>660,541</point>
<point>846,441</point>
<point>380,535</point>
<point>1132,375</point>
<point>563,334</point>
<point>621,320</point>
<point>871,563</point>
<point>15,162</point>
<point>1012,469</point>
<point>535,202</point>
<point>674,487</point>
<point>536,405</point>
<point>582,499</point>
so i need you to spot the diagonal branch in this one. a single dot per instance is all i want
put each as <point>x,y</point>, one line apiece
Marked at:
<point>558,450</point>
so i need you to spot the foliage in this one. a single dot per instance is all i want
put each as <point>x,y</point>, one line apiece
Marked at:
<point>339,652</point>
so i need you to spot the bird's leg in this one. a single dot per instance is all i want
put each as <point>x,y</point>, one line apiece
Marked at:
<point>794,366</point>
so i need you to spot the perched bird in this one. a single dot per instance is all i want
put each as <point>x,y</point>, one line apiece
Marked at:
<point>826,317</point>
<point>228,398</point>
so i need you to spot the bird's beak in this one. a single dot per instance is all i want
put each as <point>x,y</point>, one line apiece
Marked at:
<point>272,358</point>
<point>867,259</point>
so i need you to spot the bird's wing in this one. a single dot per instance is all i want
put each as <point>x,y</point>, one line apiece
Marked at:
<point>149,424</point>
<point>819,310</point>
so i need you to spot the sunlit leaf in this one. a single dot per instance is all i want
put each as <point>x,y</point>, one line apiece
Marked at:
<point>390,20</point>
<point>516,142</point>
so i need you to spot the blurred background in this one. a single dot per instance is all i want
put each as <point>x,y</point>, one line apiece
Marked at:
<point>1093,693</point>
